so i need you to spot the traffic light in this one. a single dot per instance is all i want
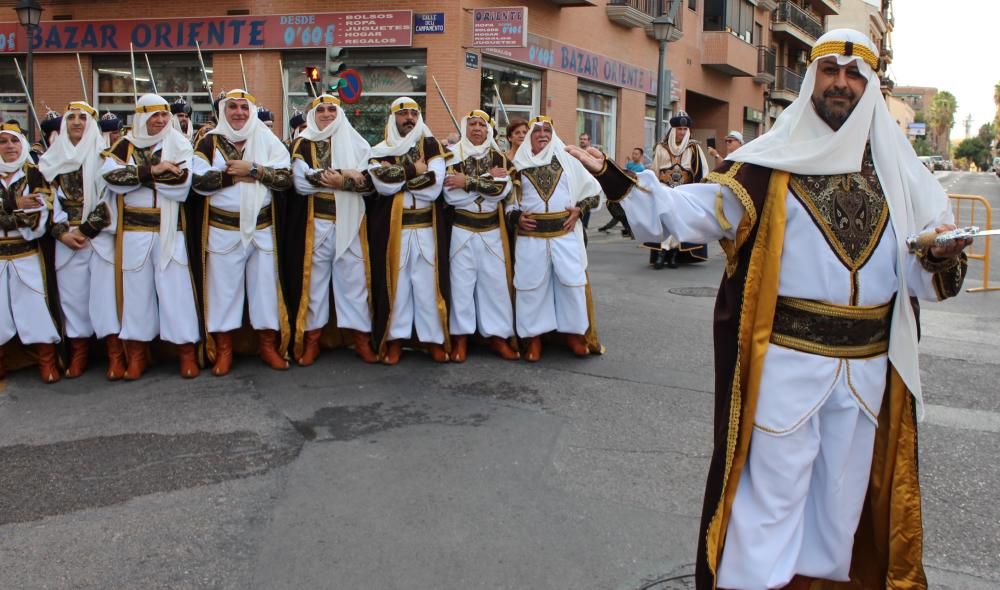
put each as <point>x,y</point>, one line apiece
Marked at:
<point>335,63</point>
<point>312,80</point>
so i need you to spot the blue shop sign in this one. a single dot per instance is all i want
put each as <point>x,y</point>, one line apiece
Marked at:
<point>428,22</point>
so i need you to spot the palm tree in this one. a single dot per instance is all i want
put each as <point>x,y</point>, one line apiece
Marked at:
<point>996,118</point>
<point>942,119</point>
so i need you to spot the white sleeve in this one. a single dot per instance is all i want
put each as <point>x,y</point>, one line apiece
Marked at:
<point>431,193</point>
<point>383,188</point>
<point>302,185</point>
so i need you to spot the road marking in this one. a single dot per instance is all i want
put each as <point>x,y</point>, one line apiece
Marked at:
<point>962,418</point>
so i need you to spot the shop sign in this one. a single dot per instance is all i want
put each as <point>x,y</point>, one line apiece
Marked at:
<point>375,28</point>
<point>500,27</point>
<point>916,129</point>
<point>753,115</point>
<point>428,22</point>
<point>471,60</point>
<point>550,54</point>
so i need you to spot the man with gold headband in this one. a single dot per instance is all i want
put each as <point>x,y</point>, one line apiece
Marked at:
<point>813,479</point>
<point>28,307</point>
<point>408,169</point>
<point>550,269</point>
<point>149,172</point>
<point>85,252</point>
<point>329,160</point>
<point>481,290</point>
<point>240,168</point>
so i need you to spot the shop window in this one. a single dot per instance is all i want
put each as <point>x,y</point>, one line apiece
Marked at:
<point>596,116</point>
<point>382,84</point>
<point>649,124</point>
<point>12,102</point>
<point>177,76</point>
<point>519,90</point>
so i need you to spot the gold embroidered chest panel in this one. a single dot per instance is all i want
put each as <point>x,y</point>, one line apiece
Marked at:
<point>545,179</point>
<point>850,210</point>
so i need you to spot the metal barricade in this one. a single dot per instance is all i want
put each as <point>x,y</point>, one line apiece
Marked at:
<point>982,217</point>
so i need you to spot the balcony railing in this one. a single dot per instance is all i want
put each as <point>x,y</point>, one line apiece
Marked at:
<point>788,12</point>
<point>647,6</point>
<point>766,60</point>
<point>788,81</point>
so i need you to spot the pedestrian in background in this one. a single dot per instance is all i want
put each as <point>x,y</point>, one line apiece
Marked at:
<point>517,129</point>
<point>733,142</point>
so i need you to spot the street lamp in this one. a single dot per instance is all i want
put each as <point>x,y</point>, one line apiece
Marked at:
<point>29,14</point>
<point>663,30</point>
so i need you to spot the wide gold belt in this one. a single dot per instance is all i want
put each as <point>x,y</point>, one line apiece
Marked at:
<point>828,329</point>
<point>11,248</point>
<point>417,218</point>
<point>230,220</point>
<point>143,219</point>
<point>74,210</point>
<point>477,222</point>
<point>547,225</point>
<point>325,206</point>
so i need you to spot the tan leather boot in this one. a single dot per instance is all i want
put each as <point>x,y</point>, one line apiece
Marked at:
<point>363,347</point>
<point>503,349</point>
<point>459,348</point>
<point>189,360</point>
<point>310,348</point>
<point>577,344</point>
<point>534,351</point>
<point>116,358</point>
<point>393,352</point>
<point>223,353</point>
<point>78,352</point>
<point>48,362</point>
<point>267,341</point>
<point>137,357</point>
<point>437,353</point>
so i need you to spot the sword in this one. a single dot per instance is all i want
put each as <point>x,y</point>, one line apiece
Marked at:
<point>31,104</point>
<point>204,73</point>
<point>284,94</point>
<point>151,78</point>
<point>83,82</point>
<point>503,109</point>
<point>246,87</point>
<point>135,85</point>
<point>929,239</point>
<point>446,105</point>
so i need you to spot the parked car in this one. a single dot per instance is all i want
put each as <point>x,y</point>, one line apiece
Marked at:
<point>926,161</point>
<point>996,165</point>
<point>937,162</point>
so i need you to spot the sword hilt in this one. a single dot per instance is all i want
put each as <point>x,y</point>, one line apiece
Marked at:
<point>931,238</point>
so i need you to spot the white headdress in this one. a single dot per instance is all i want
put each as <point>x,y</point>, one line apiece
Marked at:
<point>465,148</point>
<point>62,156</point>
<point>15,131</point>
<point>395,144</point>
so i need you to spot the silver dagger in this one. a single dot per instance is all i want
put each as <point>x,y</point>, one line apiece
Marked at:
<point>930,238</point>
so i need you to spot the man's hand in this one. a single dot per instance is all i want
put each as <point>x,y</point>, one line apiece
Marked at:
<point>166,166</point>
<point>952,248</point>
<point>355,175</point>
<point>591,158</point>
<point>570,223</point>
<point>32,201</point>
<point>455,180</point>
<point>332,179</point>
<point>498,172</point>
<point>526,223</point>
<point>420,166</point>
<point>74,240</point>
<point>238,167</point>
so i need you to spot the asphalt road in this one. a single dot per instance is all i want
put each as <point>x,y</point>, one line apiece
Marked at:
<point>562,474</point>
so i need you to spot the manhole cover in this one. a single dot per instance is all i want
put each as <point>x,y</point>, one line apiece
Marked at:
<point>682,578</point>
<point>695,291</point>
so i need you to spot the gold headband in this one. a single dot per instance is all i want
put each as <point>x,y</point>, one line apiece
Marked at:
<point>243,95</point>
<point>482,115</point>
<point>152,108</point>
<point>406,105</point>
<point>11,127</point>
<point>845,48</point>
<point>540,119</point>
<point>324,99</point>
<point>83,107</point>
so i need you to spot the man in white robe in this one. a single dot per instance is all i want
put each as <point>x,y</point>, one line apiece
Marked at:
<point>816,337</point>
<point>239,166</point>
<point>476,185</point>
<point>24,310</point>
<point>149,172</point>
<point>85,248</point>
<point>550,266</point>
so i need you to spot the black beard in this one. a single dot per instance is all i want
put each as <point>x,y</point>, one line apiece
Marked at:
<point>834,119</point>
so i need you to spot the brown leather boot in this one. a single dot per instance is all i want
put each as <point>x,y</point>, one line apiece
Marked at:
<point>393,352</point>
<point>116,358</point>
<point>437,353</point>
<point>363,347</point>
<point>534,351</point>
<point>459,348</point>
<point>577,344</point>
<point>136,355</point>
<point>267,348</point>
<point>78,352</point>
<point>48,363</point>
<point>503,349</point>
<point>189,361</point>
<point>310,348</point>
<point>223,353</point>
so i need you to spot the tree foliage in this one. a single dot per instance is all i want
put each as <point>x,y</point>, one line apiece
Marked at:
<point>923,147</point>
<point>975,150</point>
<point>942,115</point>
